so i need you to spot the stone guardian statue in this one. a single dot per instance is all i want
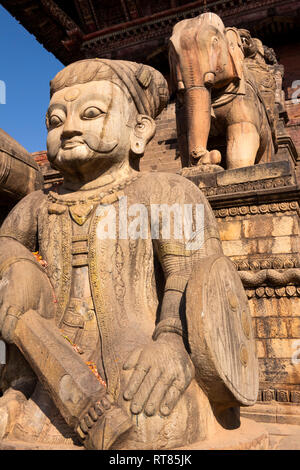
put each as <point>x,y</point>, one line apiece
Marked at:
<point>125,334</point>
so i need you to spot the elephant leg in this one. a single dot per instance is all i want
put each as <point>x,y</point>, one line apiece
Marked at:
<point>243,142</point>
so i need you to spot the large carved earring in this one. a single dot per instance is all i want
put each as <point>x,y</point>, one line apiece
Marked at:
<point>143,132</point>
<point>138,145</point>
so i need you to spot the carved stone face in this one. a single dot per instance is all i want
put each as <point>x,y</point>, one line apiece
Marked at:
<point>87,125</point>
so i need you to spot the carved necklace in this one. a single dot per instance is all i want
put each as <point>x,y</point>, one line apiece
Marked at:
<point>93,198</point>
<point>81,209</point>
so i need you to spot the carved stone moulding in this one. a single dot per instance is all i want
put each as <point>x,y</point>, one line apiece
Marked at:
<point>266,188</point>
<point>273,279</point>
<point>282,396</point>
<point>271,262</point>
<point>268,292</point>
<point>249,186</point>
<point>257,209</point>
<point>287,149</point>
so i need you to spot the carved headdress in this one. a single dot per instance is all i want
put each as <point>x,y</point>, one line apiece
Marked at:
<point>145,85</point>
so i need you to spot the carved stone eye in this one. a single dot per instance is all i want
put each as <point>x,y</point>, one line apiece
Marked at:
<point>55,120</point>
<point>91,112</point>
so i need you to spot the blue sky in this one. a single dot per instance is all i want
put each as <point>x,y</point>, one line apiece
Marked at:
<point>26,69</point>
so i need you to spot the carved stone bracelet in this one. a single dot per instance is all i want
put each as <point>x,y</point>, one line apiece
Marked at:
<point>168,325</point>
<point>7,328</point>
<point>10,261</point>
<point>177,283</point>
<point>14,311</point>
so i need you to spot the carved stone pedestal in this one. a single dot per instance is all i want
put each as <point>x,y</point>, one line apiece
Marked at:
<point>249,436</point>
<point>257,209</point>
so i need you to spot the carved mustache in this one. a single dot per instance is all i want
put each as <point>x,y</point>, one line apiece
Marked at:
<point>93,141</point>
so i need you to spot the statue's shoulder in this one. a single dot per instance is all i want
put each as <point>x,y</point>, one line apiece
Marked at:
<point>31,203</point>
<point>34,199</point>
<point>165,178</point>
<point>21,222</point>
<point>169,183</point>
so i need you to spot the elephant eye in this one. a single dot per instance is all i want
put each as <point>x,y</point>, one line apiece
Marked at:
<point>91,113</point>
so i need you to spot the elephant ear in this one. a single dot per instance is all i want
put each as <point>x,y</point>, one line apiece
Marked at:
<point>235,50</point>
<point>175,46</point>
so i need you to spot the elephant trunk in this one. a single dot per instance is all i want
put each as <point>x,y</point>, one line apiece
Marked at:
<point>198,115</point>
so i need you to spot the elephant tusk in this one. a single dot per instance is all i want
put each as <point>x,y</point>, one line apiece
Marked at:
<point>209,79</point>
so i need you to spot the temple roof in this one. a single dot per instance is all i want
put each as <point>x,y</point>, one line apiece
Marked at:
<point>139,29</point>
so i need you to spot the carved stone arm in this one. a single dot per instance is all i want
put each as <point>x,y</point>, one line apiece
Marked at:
<point>179,264</point>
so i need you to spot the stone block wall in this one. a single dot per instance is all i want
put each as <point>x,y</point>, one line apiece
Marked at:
<point>259,233</point>
<point>277,329</point>
<point>267,238</point>
<point>162,153</point>
<point>258,214</point>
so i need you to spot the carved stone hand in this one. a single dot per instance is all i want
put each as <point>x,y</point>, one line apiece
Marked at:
<point>162,372</point>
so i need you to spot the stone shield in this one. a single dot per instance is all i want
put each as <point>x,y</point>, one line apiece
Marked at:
<point>220,333</point>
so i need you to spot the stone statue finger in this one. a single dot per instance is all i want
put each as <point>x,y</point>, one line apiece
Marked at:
<point>142,395</point>
<point>135,381</point>
<point>157,394</point>
<point>132,359</point>
<point>172,396</point>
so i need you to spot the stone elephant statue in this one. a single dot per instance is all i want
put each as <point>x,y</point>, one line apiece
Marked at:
<point>216,93</point>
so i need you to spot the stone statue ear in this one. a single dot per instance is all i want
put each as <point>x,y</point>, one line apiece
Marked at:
<point>142,133</point>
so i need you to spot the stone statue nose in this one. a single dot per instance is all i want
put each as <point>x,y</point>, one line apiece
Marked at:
<point>71,128</point>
